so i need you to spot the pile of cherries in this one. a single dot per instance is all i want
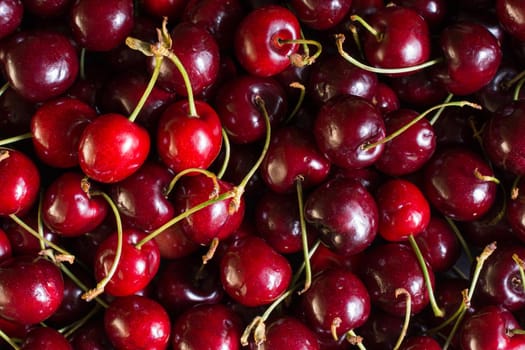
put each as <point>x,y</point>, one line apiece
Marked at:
<point>227,174</point>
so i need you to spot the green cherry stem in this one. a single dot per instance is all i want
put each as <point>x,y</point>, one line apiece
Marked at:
<point>367,26</point>
<point>79,323</point>
<point>149,88</point>
<point>4,88</point>
<point>408,312</point>
<point>440,111</point>
<point>184,172</point>
<point>8,340</point>
<point>184,73</point>
<point>355,339</point>
<point>304,235</point>
<point>16,138</point>
<point>227,154</point>
<point>81,285</point>
<point>460,238</point>
<point>302,93</point>
<point>82,64</point>
<point>299,60</point>
<point>438,312</point>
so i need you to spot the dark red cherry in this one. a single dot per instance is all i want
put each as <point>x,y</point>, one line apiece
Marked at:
<point>472,56</point>
<point>516,210</point>
<point>185,141</point>
<point>207,327</point>
<point>47,8</point>
<point>141,197</point>
<point>511,16</point>
<point>12,13</point>
<point>287,333</point>
<point>20,181</point>
<point>254,281</point>
<point>91,336</point>
<point>423,342</point>
<point>56,127</point>
<point>136,267</point>
<point>23,242</point>
<point>320,14</point>
<point>45,338</point>
<point>198,52</point>
<point>16,114</point>
<point>409,151</point>
<point>345,214</point>
<point>344,126</point>
<point>259,40</point>
<point>32,289</point>
<point>403,38</point>
<point>420,89</point>
<point>336,294</point>
<point>381,330</point>
<point>388,267</point>
<point>433,11</point>
<point>237,108</point>
<point>293,155</point>
<point>137,322</point>
<point>68,210</point>
<point>173,243</point>
<point>101,25</point>
<point>43,76</point>
<point>112,147</point>
<point>385,98</point>
<point>455,184</point>
<point>172,9</point>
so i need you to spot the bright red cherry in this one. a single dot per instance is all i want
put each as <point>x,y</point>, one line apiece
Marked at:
<point>321,14</point>
<point>287,333</point>
<point>45,338</point>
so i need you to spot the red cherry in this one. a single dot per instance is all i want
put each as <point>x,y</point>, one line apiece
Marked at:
<point>287,333</point>
<point>12,13</point>
<point>112,147</point>
<point>321,14</point>
<point>45,338</point>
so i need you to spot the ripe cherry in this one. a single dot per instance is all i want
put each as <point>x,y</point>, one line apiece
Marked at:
<point>45,338</point>
<point>510,16</point>
<point>12,11</point>
<point>287,333</point>
<point>320,14</point>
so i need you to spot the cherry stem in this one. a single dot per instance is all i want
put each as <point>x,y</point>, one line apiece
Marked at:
<point>79,323</point>
<point>302,92</point>
<point>184,73</point>
<point>149,88</point>
<point>408,313</point>
<point>4,88</point>
<point>438,312</point>
<point>367,26</point>
<point>8,340</point>
<point>304,235</point>
<point>82,64</point>
<point>211,251</point>
<point>514,190</point>
<point>460,238</point>
<point>205,172</point>
<point>517,90</point>
<point>99,289</point>
<point>299,60</point>
<point>440,111</point>
<point>185,214</point>
<point>355,339</point>
<point>514,80</point>
<point>227,154</point>
<point>340,38</point>
<point>35,234</point>
<point>244,182</point>
<point>355,35</point>
<point>407,126</point>
<point>17,138</point>
<point>521,267</point>
<point>40,224</point>
<point>485,178</point>
<point>79,283</point>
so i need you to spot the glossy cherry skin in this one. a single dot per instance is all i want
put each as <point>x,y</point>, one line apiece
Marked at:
<point>68,210</point>
<point>101,25</point>
<point>216,221</point>
<point>207,327</point>
<point>321,15</point>
<point>5,246</point>
<point>136,267</point>
<point>381,330</point>
<point>336,293</point>
<point>91,336</point>
<point>388,267</point>
<point>404,40</point>
<point>452,187</point>
<point>20,181</point>
<point>13,11</point>
<point>472,56</point>
<point>500,138</point>
<point>31,289</point>
<point>420,343</point>
<point>510,16</point>
<point>141,197</point>
<point>293,155</point>
<point>47,9</point>
<point>237,108</point>
<point>258,40</point>
<point>433,11</point>
<point>409,151</point>
<point>254,281</point>
<point>45,338</point>
<point>386,99</point>
<point>516,211</point>
<point>24,243</point>
<point>345,213</point>
<point>343,126</point>
<point>16,114</point>
<point>43,76</point>
<point>173,243</point>
<point>111,148</point>
<point>185,141</point>
<point>420,89</point>
<point>403,210</point>
<point>287,333</point>
<point>56,127</point>
<point>137,322</point>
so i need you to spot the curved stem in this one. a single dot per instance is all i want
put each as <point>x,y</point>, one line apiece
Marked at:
<point>517,90</point>
<point>367,26</point>
<point>422,263</point>
<point>299,60</point>
<point>514,80</point>
<point>304,236</point>
<point>4,88</point>
<point>8,340</point>
<point>184,73</point>
<point>354,339</point>
<point>81,321</point>
<point>340,38</point>
<point>302,92</point>
<point>17,138</point>
<point>521,267</point>
<point>417,119</point>
<point>408,313</point>
<point>149,88</point>
<point>227,154</point>
<point>184,172</point>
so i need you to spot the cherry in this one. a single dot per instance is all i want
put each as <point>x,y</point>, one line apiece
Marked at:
<point>20,180</point>
<point>460,184</point>
<point>66,117</point>
<point>321,15</point>
<point>336,301</point>
<point>101,25</point>
<point>287,333</point>
<point>254,282</point>
<point>207,327</point>
<point>343,126</point>
<point>91,336</point>
<point>385,99</point>
<point>261,40</point>
<point>47,9</point>
<point>173,243</point>
<point>510,17</point>
<point>12,11</point>
<point>137,322</point>
<point>240,116</point>
<point>420,89</point>
<point>68,210</point>
<point>381,330</point>
<point>112,147</point>
<point>16,114</point>
<point>43,76</point>
<point>420,343</point>
<point>433,11</point>
<point>22,241</point>
<point>5,246</point>
<point>45,338</point>
<point>32,289</point>
<point>185,141</point>
<point>172,9</point>
<point>345,213</point>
